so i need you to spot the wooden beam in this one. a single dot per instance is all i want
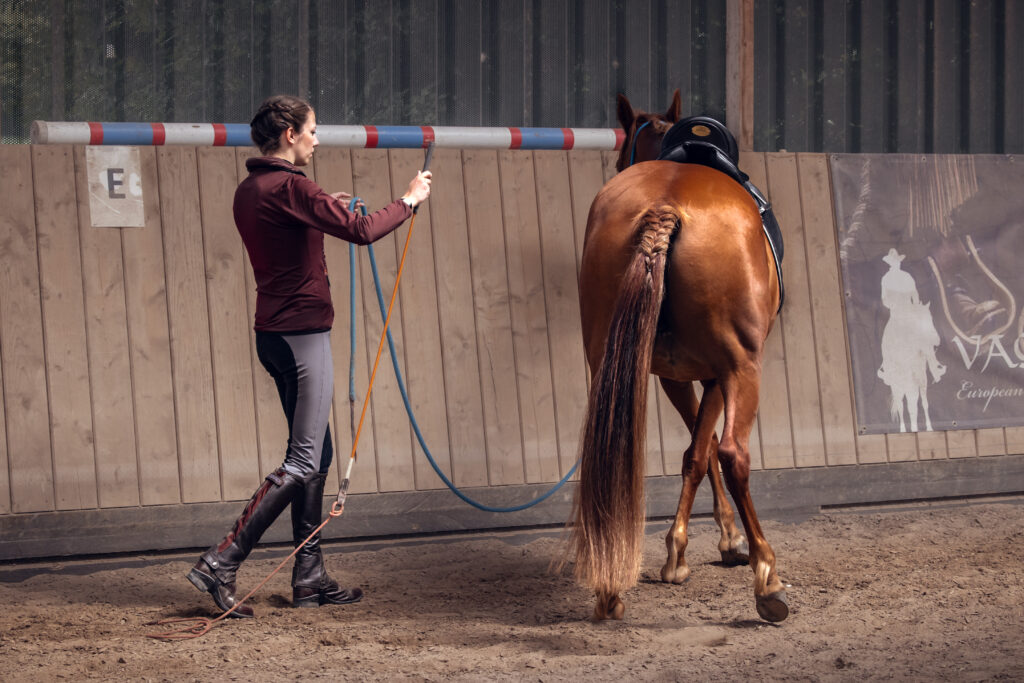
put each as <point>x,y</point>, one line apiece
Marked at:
<point>785,494</point>
<point>739,68</point>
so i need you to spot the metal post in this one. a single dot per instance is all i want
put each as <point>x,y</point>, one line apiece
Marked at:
<point>57,109</point>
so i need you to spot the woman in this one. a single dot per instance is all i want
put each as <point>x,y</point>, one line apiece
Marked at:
<point>282,217</point>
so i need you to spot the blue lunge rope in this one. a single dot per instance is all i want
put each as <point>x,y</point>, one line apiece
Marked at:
<point>636,136</point>
<point>405,395</point>
<point>352,327</point>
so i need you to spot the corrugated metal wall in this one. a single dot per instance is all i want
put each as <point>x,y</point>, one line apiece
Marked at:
<point>432,62</point>
<point>854,76</point>
<point>942,76</point>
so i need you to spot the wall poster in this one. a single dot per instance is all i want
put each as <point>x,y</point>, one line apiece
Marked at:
<point>930,252</point>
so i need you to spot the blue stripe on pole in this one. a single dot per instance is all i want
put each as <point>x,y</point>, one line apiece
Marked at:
<point>542,138</point>
<point>127,134</point>
<point>399,137</point>
<point>238,135</point>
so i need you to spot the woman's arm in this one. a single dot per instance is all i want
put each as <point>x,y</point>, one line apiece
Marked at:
<point>329,213</point>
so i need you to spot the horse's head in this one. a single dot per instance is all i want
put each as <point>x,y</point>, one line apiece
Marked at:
<point>644,131</point>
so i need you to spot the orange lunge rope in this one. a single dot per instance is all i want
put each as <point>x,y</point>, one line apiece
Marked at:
<point>198,626</point>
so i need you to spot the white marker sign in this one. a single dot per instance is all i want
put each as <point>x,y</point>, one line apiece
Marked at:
<point>115,187</point>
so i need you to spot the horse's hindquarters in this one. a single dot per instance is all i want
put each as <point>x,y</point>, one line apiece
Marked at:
<point>718,271</point>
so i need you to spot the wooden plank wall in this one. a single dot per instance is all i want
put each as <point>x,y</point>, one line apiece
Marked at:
<point>128,365</point>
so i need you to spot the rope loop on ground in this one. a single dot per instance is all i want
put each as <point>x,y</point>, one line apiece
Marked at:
<point>405,396</point>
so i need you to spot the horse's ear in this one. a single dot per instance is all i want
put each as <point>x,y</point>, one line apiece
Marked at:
<point>626,114</point>
<point>674,109</point>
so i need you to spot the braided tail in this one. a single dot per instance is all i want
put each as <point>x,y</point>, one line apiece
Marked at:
<point>607,534</point>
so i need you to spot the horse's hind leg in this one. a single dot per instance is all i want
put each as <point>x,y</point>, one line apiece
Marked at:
<point>732,545</point>
<point>740,392</point>
<point>695,465</point>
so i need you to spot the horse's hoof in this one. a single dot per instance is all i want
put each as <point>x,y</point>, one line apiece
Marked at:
<point>676,575</point>
<point>773,607</point>
<point>613,609</point>
<point>734,557</point>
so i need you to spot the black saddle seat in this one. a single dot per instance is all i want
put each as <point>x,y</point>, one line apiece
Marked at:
<point>705,141</point>
<point>702,140</point>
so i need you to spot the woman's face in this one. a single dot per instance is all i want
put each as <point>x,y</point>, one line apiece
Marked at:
<point>305,141</point>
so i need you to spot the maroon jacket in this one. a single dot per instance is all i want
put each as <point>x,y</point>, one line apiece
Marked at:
<point>282,216</point>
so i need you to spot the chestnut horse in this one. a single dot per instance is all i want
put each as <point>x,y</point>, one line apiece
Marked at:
<point>677,279</point>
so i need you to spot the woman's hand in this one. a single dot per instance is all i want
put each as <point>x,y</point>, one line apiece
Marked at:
<point>419,189</point>
<point>346,197</point>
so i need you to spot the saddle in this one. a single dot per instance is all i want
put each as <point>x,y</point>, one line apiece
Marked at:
<point>705,141</point>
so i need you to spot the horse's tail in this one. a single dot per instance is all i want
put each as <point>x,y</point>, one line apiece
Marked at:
<point>608,515</point>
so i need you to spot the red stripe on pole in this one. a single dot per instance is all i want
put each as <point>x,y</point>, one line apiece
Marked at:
<point>517,138</point>
<point>620,137</point>
<point>220,134</point>
<point>568,138</point>
<point>95,133</point>
<point>371,137</point>
<point>428,135</point>
<point>159,134</point>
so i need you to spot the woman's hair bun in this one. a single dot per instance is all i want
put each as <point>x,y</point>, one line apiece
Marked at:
<point>276,115</point>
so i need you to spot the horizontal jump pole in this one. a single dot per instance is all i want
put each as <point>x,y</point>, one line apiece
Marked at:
<point>385,137</point>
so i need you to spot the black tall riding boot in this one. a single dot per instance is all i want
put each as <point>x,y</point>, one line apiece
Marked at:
<point>311,586</point>
<point>214,573</point>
